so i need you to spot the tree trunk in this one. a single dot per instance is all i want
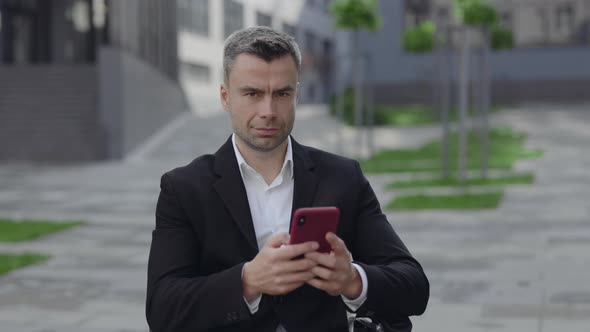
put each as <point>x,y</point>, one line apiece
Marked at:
<point>340,97</point>
<point>463,100</point>
<point>356,67</point>
<point>485,102</point>
<point>370,93</point>
<point>444,67</point>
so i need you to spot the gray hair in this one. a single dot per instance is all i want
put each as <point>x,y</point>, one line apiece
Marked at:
<point>263,42</point>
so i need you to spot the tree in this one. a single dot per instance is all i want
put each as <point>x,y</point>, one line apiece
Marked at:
<point>356,15</point>
<point>419,39</point>
<point>475,12</point>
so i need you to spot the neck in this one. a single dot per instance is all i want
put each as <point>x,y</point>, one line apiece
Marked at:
<point>266,163</point>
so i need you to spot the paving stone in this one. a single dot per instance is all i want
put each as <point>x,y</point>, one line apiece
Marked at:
<point>522,267</point>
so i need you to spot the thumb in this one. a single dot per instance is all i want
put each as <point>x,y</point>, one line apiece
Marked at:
<point>336,243</point>
<point>277,240</point>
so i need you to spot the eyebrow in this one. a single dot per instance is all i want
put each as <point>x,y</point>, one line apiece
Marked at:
<point>287,88</point>
<point>248,88</point>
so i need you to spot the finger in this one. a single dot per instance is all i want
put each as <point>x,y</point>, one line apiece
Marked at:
<point>326,260</point>
<point>338,246</point>
<point>277,240</point>
<point>323,273</point>
<point>296,265</point>
<point>295,250</point>
<point>292,278</point>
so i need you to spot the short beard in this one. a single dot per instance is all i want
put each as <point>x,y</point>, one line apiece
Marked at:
<point>254,147</point>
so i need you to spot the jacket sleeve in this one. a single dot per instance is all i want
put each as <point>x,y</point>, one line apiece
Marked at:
<point>179,296</point>
<point>397,285</point>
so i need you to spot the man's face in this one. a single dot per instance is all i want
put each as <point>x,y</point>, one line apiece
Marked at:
<point>260,97</point>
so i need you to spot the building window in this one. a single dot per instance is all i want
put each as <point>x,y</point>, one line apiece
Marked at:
<point>325,61</point>
<point>311,93</point>
<point>416,12</point>
<point>263,19</point>
<point>506,19</point>
<point>193,15</point>
<point>310,42</point>
<point>328,48</point>
<point>543,26</point>
<point>233,17</point>
<point>195,72</point>
<point>565,18</point>
<point>309,60</point>
<point>290,29</point>
<point>443,15</point>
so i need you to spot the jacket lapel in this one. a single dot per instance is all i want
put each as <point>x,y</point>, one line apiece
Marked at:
<point>305,180</point>
<point>230,188</point>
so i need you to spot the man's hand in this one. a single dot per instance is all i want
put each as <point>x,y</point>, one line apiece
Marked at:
<point>334,271</point>
<point>274,270</point>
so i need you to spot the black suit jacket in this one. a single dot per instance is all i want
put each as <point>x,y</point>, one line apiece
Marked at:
<point>204,234</point>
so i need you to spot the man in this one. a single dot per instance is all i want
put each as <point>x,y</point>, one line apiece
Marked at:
<point>220,257</point>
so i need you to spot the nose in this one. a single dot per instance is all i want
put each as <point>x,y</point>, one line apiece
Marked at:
<point>266,109</point>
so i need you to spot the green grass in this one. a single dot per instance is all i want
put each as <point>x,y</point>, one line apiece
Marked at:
<point>23,230</point>
<point>506,180</point>
<point>409,116</point>
<point>14,261</point>
<point>462,201</point>
<point>398,115</point>
<point>404,116</point>
<point>505,147</point>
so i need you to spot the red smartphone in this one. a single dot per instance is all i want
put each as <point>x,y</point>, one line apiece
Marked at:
<point>312,224</point>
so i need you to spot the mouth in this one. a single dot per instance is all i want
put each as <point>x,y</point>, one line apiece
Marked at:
<point>266,131</point>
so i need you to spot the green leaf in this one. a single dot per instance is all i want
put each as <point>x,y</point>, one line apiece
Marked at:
<point>419,39</point>
<point>475,12</point>
<point>356,14</point>
<point>502,38</point>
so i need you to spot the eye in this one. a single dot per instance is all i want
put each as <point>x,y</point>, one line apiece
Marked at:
<point>251,94</point>
<point>283,94</point>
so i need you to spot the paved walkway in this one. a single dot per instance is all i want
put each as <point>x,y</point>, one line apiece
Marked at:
<point>523,267</point>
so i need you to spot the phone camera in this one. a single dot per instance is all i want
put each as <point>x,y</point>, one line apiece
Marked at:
<point>301,220</point>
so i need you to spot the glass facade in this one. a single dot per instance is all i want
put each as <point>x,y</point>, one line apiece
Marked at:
<point>290,29</point>
<point>193,15</point>
<point>533,23</point>
<point>195,72</point>
<point>29,32</point>
<point>263,19</point>
<point>233,17</point>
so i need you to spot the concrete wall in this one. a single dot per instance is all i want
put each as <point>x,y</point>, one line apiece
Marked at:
<point>135,100</point>
<point>520,75</point>
<point>48,114</point>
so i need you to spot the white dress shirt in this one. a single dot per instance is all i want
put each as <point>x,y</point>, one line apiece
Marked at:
<point>270,206</point>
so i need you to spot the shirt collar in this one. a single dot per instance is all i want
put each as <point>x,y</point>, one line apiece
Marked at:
<point>287,164</point>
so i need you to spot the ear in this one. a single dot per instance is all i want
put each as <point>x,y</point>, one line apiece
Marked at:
<point>224,96</point>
